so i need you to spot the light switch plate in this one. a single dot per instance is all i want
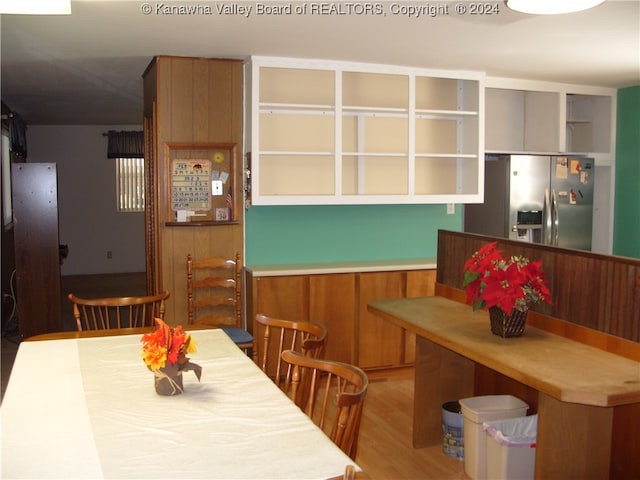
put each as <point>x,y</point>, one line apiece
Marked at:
<point>216,187</point>
<point>451,208</point>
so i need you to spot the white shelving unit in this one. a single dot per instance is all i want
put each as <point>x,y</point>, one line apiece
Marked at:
<point>344,133</point>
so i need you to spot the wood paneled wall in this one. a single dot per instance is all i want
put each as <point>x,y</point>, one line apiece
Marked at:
<point>194,101</point>
<point>599,292</point>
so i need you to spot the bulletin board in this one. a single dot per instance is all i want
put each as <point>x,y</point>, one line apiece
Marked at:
<point>201,183</point>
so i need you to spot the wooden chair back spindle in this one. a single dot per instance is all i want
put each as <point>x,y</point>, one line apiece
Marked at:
<point>332,394</point>
<point>117,312</point>
<point>274,335</point>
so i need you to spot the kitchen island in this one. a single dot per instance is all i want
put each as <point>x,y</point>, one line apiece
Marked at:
<point>579,388</point>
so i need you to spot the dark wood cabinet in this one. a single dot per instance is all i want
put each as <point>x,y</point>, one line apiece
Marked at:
<point>37,248</point>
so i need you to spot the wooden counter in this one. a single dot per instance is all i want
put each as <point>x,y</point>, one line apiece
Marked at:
<point>564,369</point>
<point>579,387</point>
<point>327,268</point>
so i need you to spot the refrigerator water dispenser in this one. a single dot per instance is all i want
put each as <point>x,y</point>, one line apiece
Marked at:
<point>529,226</point>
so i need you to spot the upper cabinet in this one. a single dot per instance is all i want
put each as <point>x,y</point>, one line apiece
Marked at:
<point>539,117</point>
<point>344,133</point>
<point>589,123</point>
<point>522,120</point>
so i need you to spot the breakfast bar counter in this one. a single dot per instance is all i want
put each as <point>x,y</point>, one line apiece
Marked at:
<point>579,387</point>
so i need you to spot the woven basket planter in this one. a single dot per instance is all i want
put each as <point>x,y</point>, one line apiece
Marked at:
<point>505,325</point>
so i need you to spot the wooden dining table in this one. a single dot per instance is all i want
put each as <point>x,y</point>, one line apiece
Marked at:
<point>86,407</point>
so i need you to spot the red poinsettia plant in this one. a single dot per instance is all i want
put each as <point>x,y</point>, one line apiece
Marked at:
<point>166,345</point>
<point>508,283</point>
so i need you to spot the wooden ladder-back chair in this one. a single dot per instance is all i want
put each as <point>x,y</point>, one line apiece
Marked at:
<point>117,312</point>
<point>335,398</point>
<point>272,336</point>
<point>214,296</point>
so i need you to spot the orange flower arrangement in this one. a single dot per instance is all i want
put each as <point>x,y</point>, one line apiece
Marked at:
<point>509,284</point>
<point>166,344</point>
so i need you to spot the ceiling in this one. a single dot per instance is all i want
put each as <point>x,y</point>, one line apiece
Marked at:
<point>86,68</point>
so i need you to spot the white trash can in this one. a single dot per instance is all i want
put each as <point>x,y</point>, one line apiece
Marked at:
<point>511,448</point>
<point>476,411</point>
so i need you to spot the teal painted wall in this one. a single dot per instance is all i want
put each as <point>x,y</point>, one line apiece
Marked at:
<point>626,227</point>
<point>302,234</point>
<point>335,233</point>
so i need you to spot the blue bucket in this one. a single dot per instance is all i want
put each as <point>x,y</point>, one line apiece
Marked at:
<point>452,430</point>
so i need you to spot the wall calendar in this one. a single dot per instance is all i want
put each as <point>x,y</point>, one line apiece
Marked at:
<point>190,185</point>
<point>201,183</point>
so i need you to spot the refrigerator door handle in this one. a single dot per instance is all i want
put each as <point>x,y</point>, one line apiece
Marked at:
<point>555,215</point>
<point>547,222</point>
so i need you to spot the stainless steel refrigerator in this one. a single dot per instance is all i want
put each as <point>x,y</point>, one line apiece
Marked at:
<point>536,198</point>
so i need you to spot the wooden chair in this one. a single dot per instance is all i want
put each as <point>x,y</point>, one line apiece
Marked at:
<point>117,312</point>
<point>272,336</point>
<point>349,474</point>
<point>214,296</point>
<point>335,397</point>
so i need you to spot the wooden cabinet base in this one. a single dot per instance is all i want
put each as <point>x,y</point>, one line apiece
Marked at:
<point>338,300</point>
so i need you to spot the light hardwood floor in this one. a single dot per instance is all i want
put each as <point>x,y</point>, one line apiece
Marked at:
<point>384,450</point>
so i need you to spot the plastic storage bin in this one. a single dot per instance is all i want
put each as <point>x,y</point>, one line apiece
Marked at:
<point>476,411</point>
<point>452,426</point>
<point>511,448</point>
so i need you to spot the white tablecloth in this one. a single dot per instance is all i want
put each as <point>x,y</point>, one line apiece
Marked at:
<point>87,409</point>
